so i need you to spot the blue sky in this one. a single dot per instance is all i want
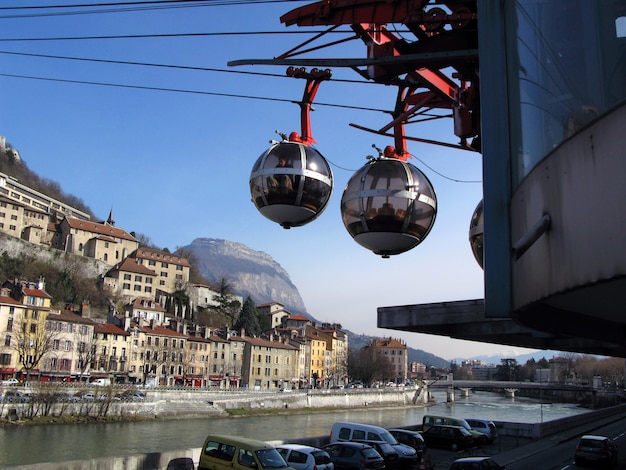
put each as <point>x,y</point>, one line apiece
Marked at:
<point>175,166</point>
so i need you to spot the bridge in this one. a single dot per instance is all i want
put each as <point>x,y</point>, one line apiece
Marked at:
<point>546,390</point>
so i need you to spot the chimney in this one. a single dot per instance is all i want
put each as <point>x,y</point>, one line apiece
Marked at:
<point>242,333</point>
<point>85,309</point>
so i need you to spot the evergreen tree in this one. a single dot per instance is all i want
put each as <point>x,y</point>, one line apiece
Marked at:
<point>227,305</point>
<point>248,318</point>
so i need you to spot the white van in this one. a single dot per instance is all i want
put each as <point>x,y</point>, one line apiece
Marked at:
<point>430,420</point>
<point>347,431</point>
<point>101,382</point>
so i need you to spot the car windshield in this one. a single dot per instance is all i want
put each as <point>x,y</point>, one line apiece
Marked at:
<point>387,437</point>
<point>370,453</point>
<point>270,458</point>
<point>321,457</point>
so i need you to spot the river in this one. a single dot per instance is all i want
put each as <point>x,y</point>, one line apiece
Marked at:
<point>21,445</point>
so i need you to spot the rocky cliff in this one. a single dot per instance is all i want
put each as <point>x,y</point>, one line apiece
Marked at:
<point>249,272</point>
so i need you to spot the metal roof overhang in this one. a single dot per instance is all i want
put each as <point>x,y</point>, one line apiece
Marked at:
<point>465,319</point>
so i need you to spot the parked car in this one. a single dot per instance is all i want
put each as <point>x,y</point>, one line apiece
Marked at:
<point>90,396</point>
<point>386,451</point>
<point>431,420</point>
<point>67,398</point>
<point>15,396</point>
<point>354,456</point>
<point>475,463</point>
<point>451,437</point>
<point>10,382</point>
<point>409,438</point>
<point>349,431</point>
<point>302,457</point>
<point>595,449</point>
<point>221,452</point>
<point>485,426</point>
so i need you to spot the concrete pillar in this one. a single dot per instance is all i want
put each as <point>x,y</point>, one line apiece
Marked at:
<point>450,395</point>
<point>465,392</point>
<point>510,392</point>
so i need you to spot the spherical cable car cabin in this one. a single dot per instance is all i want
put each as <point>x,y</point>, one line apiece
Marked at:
<point>388,206</point>
<point>291,183</point>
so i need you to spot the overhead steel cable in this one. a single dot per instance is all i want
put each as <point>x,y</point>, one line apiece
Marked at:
<point>171,35</point>
<point>195,92</point>
<point>121,8</point>
<point>170,66</point>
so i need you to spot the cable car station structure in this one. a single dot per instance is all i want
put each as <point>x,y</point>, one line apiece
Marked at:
<point>539,89</point>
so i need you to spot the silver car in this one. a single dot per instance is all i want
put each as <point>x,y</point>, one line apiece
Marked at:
<point>302,457</point>
<point>485,426</point>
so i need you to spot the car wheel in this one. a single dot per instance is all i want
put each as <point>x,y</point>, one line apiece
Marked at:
<point>454,446</point>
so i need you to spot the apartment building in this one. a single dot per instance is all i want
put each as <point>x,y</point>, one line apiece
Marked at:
<point>130,279</point>
<point>172,271</point>
<point>197,361</point>
<point>70,351</point>
<point>270,364</point>
<point>275,311</point>
<point>144,345</point>
<point>10,309</point>
<point>110,352</point>
<point>28,331</point>
<point>394,353</point>
<point>101,241</point>
<point>31,200</point>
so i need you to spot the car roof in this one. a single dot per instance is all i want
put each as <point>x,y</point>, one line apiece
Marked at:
<point>237,441</point>
<point>471,459</point>
<point>300,447</point>
<point>407,431</point>
<point>594,437</point>
<point>349,444</point>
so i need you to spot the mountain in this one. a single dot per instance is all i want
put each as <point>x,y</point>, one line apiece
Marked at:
<point>248,272</point>
<point>513,354</point>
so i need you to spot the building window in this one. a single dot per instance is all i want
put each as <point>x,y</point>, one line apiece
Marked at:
<point>137,288</point>
<point>127,277</point>
<point>7,340</point>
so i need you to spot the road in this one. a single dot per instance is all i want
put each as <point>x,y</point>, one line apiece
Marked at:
<point>526,455</point>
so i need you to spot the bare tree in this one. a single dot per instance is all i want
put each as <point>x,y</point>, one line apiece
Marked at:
<point>86,348</point>
<point>34,339</point>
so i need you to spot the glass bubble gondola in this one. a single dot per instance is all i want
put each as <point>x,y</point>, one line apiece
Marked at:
<point>291,184</point>
<point>476,233</point>
<point>388,206</point>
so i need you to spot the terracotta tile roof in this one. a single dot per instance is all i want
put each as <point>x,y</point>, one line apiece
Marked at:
<point>158,255</point>
<point>131,266</point>
<point>270,304</point>
<point>101,229</point>
<point>162,331</point>
<point>152,305</point>
<point>266,343</point>
<point>70,316</point>
<point>8,300</point>
<point>298,317</point>
<point>391,343</point>
<point>37,293</point>
<point>109,328</point>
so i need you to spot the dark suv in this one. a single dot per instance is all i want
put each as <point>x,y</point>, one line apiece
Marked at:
<point>451,437</point>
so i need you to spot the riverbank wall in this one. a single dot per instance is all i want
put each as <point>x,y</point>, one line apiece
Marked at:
<point>171,404</point>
